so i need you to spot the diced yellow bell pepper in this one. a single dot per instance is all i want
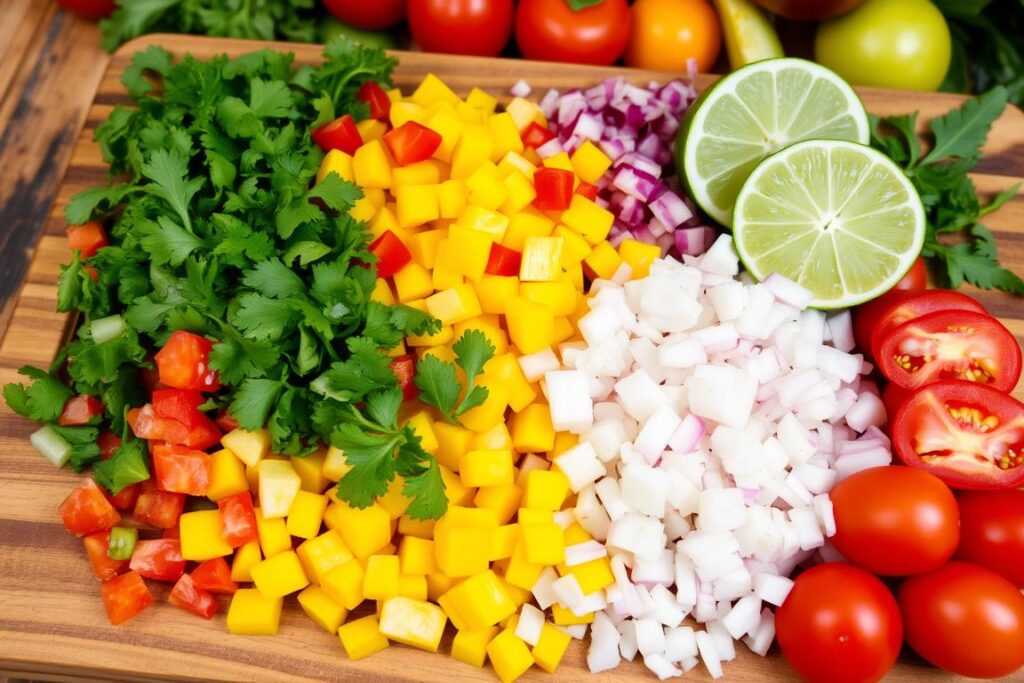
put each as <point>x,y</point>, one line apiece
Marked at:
<point>562,161</point>
<point>362,637</point>
<point>335,465</point>
<point>486,468</point>
<point>371,129</point>
<point>246,556</point>
<point>466,251</point>
<point>306,514</point>
<point>452,442</point>
<point>591,221</point>
<point>318,606</point>
<point>227,475</point>
<point>418,528</point>
<point>253,614</point>
<point>523,112</point>
<point>279,485</point>
<point>451,198</point>
<point>513,162</point>
<point>520,572</point>
<point>250,447</point>
<point>417,204</point>
<point>544,543</point>
<point>519,191</point>
<point>509,656</point>
<point>589,162</point>
<point>380,581</point>
<point>426,172</point>
<point>393,500</point>
<point>542,259</point>
<point>417,623</point>
<point>504,499</point>
<point>365,530</point>
<point>485,187</point>
<point>481,600</point>
<point>505,370</point>
<point>202,536</point>
<point>565,617</point>
<point>405,111</point>
<point>471,646</point>
<point>593,575</point>
<point>470,114</point>
<point>473,149</point>
<point>546,490</point>
<point>449,127</point>
<point>279,575</point>
<point>371,166</point>
<point>443,277</point>
<point>492,411</point>
<point>551,647</point>
<point>505,135</point>
<point>558,295</point>
<point>603,261</point>
<point>639,256</point>
<point>532,431</point>
<point>481,219</point>
<point>493,291</point>
<point>457,493</point>
<point>525,224</point>
<point>344,584</point>
<point>575,248</point>
<point>336,161</point>
<point>323,553</point>
<point>423,246</point>
<point>454,305</point>
<point>530,324</point>
<point>412,282</point>
<point>416,556</point>
<point>479,99</point>
<point>432,90</point>
<point>503,542</point>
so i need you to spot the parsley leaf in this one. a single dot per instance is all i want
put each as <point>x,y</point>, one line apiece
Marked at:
<point>42,400</point>
<point>372,461</point>
<point>437,381</point>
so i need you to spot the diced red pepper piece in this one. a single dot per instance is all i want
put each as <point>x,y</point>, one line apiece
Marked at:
<point>108,442</point>
<point>238,518</point>
<point>380,104</point>
<point>391,252</point>
<point>159,559</point>
<point>224,421</point>
<point>146,424</point>
<point>181,405</point>
<point>214,576</point>
<point>86,510</point>
<point>184,362</point>
<point>341,133</point>
<point>161,509</point>
<point>180,470</point>
<point>535,135</point>
<point>404,367</point>
<point>80,410</point>
<point>191,598</point>
<point>585,189</point>
<point>412,142</point>
<point>96,546</point>
<point>87,238</point>
<point>554,189</point>
<point>125,596</point>
<point>503,261</point>
<point>124,499</point>
<point>173,532</point>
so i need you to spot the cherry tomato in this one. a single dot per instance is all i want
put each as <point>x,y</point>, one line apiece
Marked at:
<point>666,34</point>
<point>877,318</point>
<point>86,510</point>
<point>895,521</point>
<point>158,508</point>
<point>992,531</point>
<point>180,470</point>
<point>549,30</point>
<point>239,518</point>
<point>839,624</point>
<point>214,576</point>
<point>158,559</point>
<point>367,14</point>
<point>90,9</point>
<point>809,10</point>
<point>184,362</point>
<point>965,619</point>
<point>950,345</point>
<point>461,27</point>
<point>96,546</point>
<point>916,279</point>
<point>125,596</point>
<point>81,410</point>
<point>191,598</point>
<point>969,435</point>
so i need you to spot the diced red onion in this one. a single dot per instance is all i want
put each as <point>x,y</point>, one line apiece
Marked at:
<point>670,209</point>
<point>549,104</point>
<point>635,182</point>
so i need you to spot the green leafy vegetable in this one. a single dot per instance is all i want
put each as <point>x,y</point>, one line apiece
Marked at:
<point>988,46</point>
<point>128,465</point>
<point>42,400</point>
<point>437,381</point>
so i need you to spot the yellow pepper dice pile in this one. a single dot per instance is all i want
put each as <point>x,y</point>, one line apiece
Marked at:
<point>476,566</point>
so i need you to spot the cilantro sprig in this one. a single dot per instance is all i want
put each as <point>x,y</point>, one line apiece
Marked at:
<point>956,243</point>
<point>438,383</point>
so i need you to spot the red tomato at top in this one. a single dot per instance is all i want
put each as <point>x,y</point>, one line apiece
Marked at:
<point>992,531</point>
<point>916,279</point>
<point>895,521</point>
<point>839,624</point>
<point>183,362</point>
<point>965,619</point>
<point>90,9</point>
<point>550,30</point>
<point>370,15</point>
<point>461,27</point>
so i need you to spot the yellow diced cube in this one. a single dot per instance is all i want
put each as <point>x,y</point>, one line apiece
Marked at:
<point>253,614</point>
<point>481,600</point>
<point>443,277</point>
<point>371,129</point>
<point>417,623</point>
<point>423,426</point>
<point>563,330</point>
<point>338,162</point>
<point>432,90</point>
<point>416,556</point>
<point>335,465</point>
<point>593,575</point>
<point>479,99</point>
<point>344,584</point>
<point>559,295</point>
<point>450,128</point>
<point>542,259</point>
<point>451,198</point>
<point>575,248</point>
<point>405,111</point>
<point>306,514</point>
<point>505,134</point>
<point>523,112</point>
<point>310,469</point>
<point>471,646</point>
<point>546,490</point>
<point>530,324</point>
<point>481,219</point>
<point>639,256</point>
<point>526,224</point>
<point>454,305</point>
<point>250,447</point>
<point>418,528</point>
<point>486,468</point>
<point>603,261</point>
<point>496,437</point>
<point>364,210</point>
<point>412,282</point>
<point>362,637</point>
<point>562,161</point>
<point>453,442</point>
<point>371,166</point>
<point>394,500</point>
<point>437,585</point>
<point>466,252</point>
<point>505,370</point>
<point>423,246</point>
<point>509,656</point>
<point>493,291</point>
<point>591,221</point>
<point>382,293</point>
<point>426,172</point>
<point>485,187</point>
<point>565,617</point>
<point>365,530</point>
<point>589,162</point>
<point>280,575</point>
<point>520,572</point>
<point>462,516</point>
<point>536,516</point>
<point>532,431</point>
<point>413,586</point>
<point>563,442</point>
<point>470,115</point>
<point>544,543</point>
<point>551,647</point>
<point>473,149</point>
<point>202,536</point>
<point>504,499</point>
<point>246,557</point>
<point>489,328</point>
<point>323,553</point>
<point>227,475</point>
<point>457,493</point>
<point>519,191</point>
<point>395,94</point>
<point>318,606</point>
<point>529,463</point>
<point>279,485</point>
<point>381,579</point>
<point>513,162</point>
<point>503,542</point>
<point>376,196</point>
<point>492,411</point>
<point>461,551</point>
<point>416,205</point>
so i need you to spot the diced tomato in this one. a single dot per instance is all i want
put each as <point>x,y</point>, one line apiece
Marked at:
<point>161,509</point>
<point>554,189</point>
<point>96,546</point>
<point>224,421</point>
<point>214,576</point>
<point>503,261</point>
<point>146,424</point>
<point>158,559</point>
<point>341,133</point>
<point>173,532</point>
<point>191,598</point>
<point>180,470</point>
<point>86,510</point>
<point>150,378</point>
<point>238,518</point>
<point>391,252</point>
<point>412,142</point>
<point>181,405</point>
<point>404,367</point>
<point>184,362</point>
<point>81,410</point>
<point>87,238</point>
<point>536,135</point>
<point>124,499</point>
<point>587,190</point>
<point>380,104</point>
<point>125,596</point>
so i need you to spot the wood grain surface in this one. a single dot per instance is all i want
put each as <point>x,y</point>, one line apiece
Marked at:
<point>52,623</point>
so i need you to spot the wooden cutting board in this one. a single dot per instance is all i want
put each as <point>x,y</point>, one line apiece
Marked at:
<point>52,623</point>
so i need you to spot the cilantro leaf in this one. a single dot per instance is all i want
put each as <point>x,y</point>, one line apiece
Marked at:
<point>84,451</point>
<point>168,169</point>
<point>274,279</point>
<point>383,406</point>
<point>253,401</point>
<point>472,351</point>
<point>438,384</point>
<point>42,400</point>
<point>372,459</point>
<point>88,202</point>
<point>128,465</point>
<point>427,491</point>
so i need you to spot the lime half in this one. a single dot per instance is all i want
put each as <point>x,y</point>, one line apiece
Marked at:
<point>837,217</point>
<point>756,111</point>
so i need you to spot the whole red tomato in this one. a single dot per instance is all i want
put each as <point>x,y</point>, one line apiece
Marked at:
<point>965,619</point>
<point>549,30</point>
<point>916,278</point>
<point>992,531</point>
<point>809,10</point>
<point>461,27</point>
<point>895,521</point>
<point>370,15</point>
<point>90,9</point>
<point>839,624</point>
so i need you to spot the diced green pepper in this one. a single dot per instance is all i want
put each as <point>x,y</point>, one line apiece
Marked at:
<point>122,542</point>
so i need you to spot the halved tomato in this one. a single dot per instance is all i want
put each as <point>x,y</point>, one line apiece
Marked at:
<point>897,307</point>
<point>159,559</point>
<point>969,435</point>
<point>181,470</point>
<point>950,345</point>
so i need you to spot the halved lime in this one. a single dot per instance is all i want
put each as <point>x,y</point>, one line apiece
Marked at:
<point>758,110</point>
<point>837,217</point>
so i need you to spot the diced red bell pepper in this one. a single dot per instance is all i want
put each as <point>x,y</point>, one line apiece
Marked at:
<point>173,532</point>
<point>404,367</point>
<point>96,546</point>
<point>585,189</point>
<point>191,598</point>
<point>503,261</point>
<point>238,518</point>
<point>535,135</point>
<point>80,410</point>
<point>161,509</point>
<point>146,424</point>
<point>224,421</point>
<point>214,576</point>
<point>412,142</point>
<point>180,470</point>
<point>391,252</point>
<point>124,499</point>
<point>87,238</point>
<point>554,189</point>
<point>341,133</point>
<point>380,104</point>
<point>108,442</point>
<point>158,559</point>
<point>86,510</point>
<point>184,362</point>
<point>125,596</point>
<point>181,405</point>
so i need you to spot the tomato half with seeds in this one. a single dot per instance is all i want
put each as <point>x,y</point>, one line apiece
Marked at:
<point>969,435</point>
<point>951,345</point>
<point>897,307</point>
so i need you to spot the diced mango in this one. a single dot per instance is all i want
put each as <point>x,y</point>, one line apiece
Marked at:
<point>310,469</point>
<point>416,205</point>
<point>574,247</point>
<point>482,100</point>
<point>562,161</point>
<point>559,295</point>
<point>335,465</point>
<point>413,586</point>
<point>503,542</point>
<point>202,536</point>
<point>505,135</point>
<point>323,553</point>
<point>371,166</point>
<point>280,575</point>
<point>532,431</point>
<point>485,187</point>
<point>279,485</point>
<point>519,191</point>
<point>494,291</point>
<point>419,528</point>
<point>603,261</point>
<point>530,324</point>
<point>551,647</point>
<point>486,468</point>
<point>253,614</point>
<point>381,579</point>
<point>482,219</point>
<point>509,656</point>
<point>318,606</point>
<point>423,246</point>
<point>382,293</point>
<point>546,490</point>
<point>524,112</point>
<point>471,646</point>
<point>364,530</point>
<point>504,499</point>
<point>246,556</point>
<point>589,162</point>
<point>412,282</point>
<point>416,556</point>
<point>250,447</point>
<point>591,221</point>
<point>492,411</point>
<point>526,224</point>
<point>420,173</point>
<point>481,600</point>
<point>306,514</point>
<point>362,637</point>
<point>417,623</point>
<point>513,162</point>
<point>450,128</point>
<point>639,256</point>
<point>227,475</point>
<point>461,551</point>
<point>432,90</point>
<point>542,259</point>
<point>454,305</point>
<point>473,149</point>
<point>520,572</point>
<point>336,161</point>
<point>565,617</point>
<point>344,584</point>
<point>544,543</point>
<point>371,129</point>
<point>453,442</point>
